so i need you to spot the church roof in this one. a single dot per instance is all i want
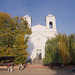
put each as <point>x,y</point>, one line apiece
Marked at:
<point>38,28</point>
<point>50,15</point>
<point>41,28</point>
<point>38,25</point>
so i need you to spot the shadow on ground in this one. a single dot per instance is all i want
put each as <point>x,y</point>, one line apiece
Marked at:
<point>62,71</point>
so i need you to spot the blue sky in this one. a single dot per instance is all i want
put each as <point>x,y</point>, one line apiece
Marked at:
<point>64,10</point>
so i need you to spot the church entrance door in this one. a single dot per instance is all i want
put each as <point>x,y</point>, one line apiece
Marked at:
<point>39,54</point>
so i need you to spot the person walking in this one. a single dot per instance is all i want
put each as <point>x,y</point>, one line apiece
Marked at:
<point>8,66</point>
<point>20,67</point>
<point>12,69</point>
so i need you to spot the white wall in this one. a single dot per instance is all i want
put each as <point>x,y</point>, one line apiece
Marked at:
<point>38,38</point>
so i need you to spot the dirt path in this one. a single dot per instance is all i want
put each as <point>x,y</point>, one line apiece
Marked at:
<point>37,69</point>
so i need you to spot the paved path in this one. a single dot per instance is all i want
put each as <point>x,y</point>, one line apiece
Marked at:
<point>37,71</point>
<point>36,66</point>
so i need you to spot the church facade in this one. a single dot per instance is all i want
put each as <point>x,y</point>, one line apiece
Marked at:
<point>40,34</point>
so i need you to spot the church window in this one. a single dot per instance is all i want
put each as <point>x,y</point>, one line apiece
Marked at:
<point>50,25</point>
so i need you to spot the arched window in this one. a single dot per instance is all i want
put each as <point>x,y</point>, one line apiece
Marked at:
<point>50,25</point>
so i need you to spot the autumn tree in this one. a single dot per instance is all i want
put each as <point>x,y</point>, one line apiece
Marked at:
<point>23,32</point>
<point>7,27</point>
<point>14,35</point>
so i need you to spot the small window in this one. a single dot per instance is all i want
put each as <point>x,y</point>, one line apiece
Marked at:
<point>40,49</point>
<point>50,25</point>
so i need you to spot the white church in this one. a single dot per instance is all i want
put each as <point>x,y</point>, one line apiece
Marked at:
<point>39,36</point>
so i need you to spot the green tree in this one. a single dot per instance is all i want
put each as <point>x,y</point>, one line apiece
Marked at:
<point>64,48</point>
<point>57,50</point>
<point>72,47</point>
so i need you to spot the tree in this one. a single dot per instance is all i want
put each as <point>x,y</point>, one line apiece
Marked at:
<point>64,48</point>
<point>14,35</point>
<point>72,47</point>
<point>22,37</point>
<point>57,50</point>
<point>7,27</point>
<point>48,53</point>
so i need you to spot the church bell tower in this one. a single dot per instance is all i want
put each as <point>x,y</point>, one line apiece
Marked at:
<point>50,21</point>
<point>28,19</point>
